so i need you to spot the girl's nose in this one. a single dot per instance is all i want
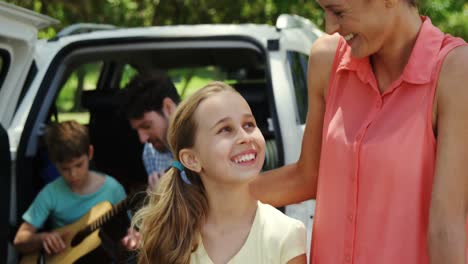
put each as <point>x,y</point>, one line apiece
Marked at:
<point>243,137</point>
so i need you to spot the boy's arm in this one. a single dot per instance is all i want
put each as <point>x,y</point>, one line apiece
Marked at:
<point>27,240</point>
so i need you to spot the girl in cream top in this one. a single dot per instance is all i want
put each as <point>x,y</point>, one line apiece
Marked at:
<point>203,211</point>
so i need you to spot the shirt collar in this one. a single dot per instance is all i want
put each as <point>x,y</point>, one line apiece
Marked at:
<point>420,64</point>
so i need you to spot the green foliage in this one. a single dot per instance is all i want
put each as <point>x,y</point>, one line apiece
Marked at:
<point>84,78</point>
<point>128,73</point>
<point>450,15</point>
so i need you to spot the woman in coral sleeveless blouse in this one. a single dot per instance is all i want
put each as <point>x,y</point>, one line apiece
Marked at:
<point>385,149</point>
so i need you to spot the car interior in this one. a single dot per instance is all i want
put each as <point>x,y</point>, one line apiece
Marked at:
<point>85,85</point>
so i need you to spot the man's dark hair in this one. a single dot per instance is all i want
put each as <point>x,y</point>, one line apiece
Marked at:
<point>145,93</point>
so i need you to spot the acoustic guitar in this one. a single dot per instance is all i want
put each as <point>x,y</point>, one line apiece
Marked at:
<point>82,236</point>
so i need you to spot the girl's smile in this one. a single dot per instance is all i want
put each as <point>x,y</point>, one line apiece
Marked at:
<point>245,158</point>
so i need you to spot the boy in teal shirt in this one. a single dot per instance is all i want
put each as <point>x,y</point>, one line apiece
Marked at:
<point>68,198</point>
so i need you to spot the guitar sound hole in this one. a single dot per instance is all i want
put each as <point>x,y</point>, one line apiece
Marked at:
<point>78,238</point>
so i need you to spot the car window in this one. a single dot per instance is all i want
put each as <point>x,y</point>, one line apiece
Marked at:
<point>68,103</point>
<point>298,66</point>
<point>128,73</point>
<point>188,80</point>
<point>4,64</point>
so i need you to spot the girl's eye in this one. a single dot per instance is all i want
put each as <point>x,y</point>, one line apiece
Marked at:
<point>249,125</point>
<point>225,129</point>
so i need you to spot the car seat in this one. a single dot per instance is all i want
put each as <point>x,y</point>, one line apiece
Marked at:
<point>117,150</point>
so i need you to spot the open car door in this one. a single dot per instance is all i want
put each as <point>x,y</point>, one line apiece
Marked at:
<point>5,183</point>
<point>18,35</point>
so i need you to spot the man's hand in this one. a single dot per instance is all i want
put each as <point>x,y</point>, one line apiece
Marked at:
<point>132,240</point>
<point>153,180</point>
<point>53,243</point>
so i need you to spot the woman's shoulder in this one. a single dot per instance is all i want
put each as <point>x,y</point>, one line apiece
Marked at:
<point>321,61</point>
<point>326,44</point>
<point>451,94</point>
<point>453,75</point>
<point>457,58</point>
<point>324,49</point>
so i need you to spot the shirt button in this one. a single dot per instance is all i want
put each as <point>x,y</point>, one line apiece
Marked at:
<point>378,104</point>
<point>348,258</point>
<point>350,217</point>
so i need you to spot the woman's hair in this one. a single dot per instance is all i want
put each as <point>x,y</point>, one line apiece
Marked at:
<point>413,2</point>
<point>171,221</point>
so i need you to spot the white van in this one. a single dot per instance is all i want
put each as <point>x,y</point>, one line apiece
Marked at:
<point>75,75</point>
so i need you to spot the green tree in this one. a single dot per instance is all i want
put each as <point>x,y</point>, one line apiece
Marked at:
<point>450,15</point>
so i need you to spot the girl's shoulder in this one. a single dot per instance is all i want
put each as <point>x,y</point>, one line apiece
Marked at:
<point>275,220</point>
<point>283,237</point>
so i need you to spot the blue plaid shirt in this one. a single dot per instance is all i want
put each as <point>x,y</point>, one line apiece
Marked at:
<point>154,160</point>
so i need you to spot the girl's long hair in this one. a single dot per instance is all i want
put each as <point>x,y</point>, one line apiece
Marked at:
<point>170,223</point>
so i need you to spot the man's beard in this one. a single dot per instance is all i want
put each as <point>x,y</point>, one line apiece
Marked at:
<point>159,146</point>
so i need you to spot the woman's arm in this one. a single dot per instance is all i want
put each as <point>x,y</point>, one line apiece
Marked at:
<point>301,259</point>
<point>298,181</point>
<point>447,219</point>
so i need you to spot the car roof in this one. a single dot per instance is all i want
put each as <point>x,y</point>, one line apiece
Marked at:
<point>256,31</point>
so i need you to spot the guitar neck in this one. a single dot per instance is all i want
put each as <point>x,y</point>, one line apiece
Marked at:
<point>129,202</point>
<point>117,209</point>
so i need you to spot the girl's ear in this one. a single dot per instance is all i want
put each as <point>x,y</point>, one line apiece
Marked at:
<point>190,160</point>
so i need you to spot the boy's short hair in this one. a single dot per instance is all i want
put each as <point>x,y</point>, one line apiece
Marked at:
<point>66,141</point>
<point>145,93</point>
